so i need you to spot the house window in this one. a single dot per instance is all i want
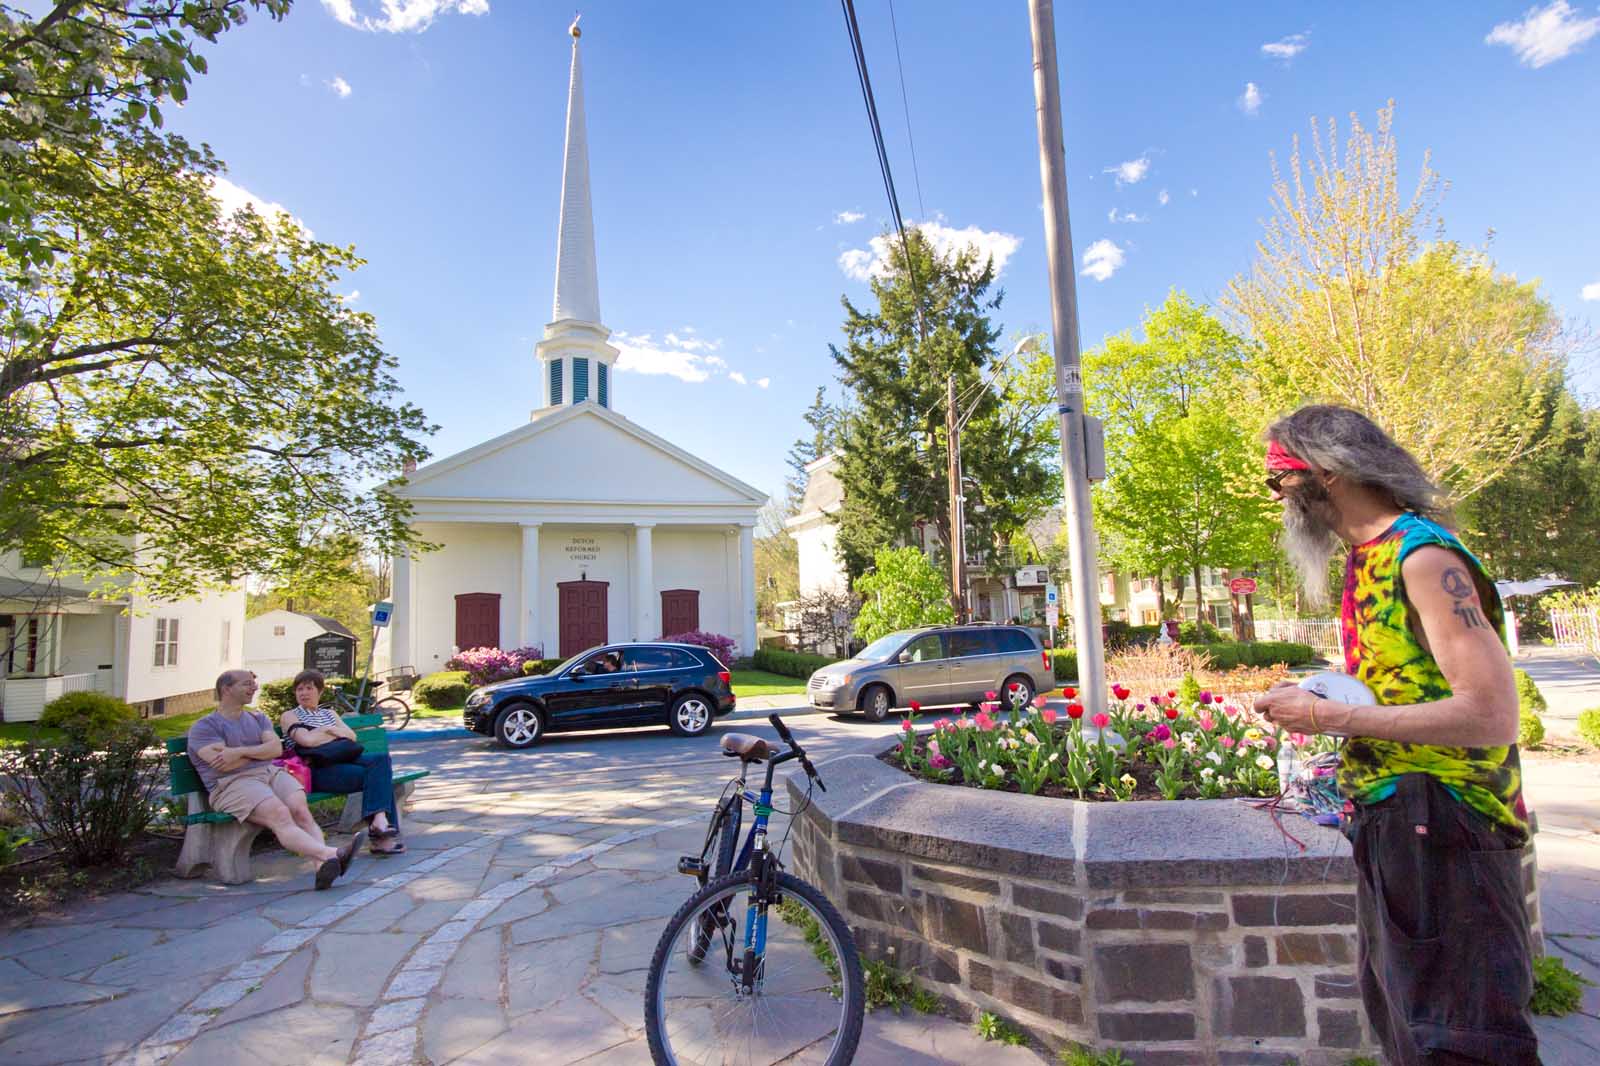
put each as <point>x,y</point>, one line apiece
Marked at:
<point>603,372</point>
<point>555,382</point>
<point>227,640</point>
<point>1223,616</point>
<point>166,642</point>
<point>279,631</point>
<point>580,380</point>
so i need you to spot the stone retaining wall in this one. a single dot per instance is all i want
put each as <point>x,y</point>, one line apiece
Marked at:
<point>1183,933</point>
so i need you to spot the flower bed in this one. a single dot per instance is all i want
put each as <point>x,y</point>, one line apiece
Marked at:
<point>1181,744</point>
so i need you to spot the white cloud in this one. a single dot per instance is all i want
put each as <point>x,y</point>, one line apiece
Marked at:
<point>1250,100</point>
<point>676,354</point>
<point>762,383</point>
<point>232,197</point>
<point>737,378</point>
<point>947,241</point>
<point>351,297</point>
<point>1591,291</point>
<point>845,218</point>
<point>1132,172</point>
<point>1194,192</point>
<point>340,86</point>
<point>1102,260</point>
<point>1287,48</point>
<point>1126,216</point>
<point>1163,198</point>
<point>401,16</point>
<point>1545,34</point>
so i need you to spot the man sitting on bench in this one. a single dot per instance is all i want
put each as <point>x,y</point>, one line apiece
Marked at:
<point>232,750</point>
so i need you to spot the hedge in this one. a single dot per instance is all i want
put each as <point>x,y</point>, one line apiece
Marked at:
<point>275,697</point>
<point>1589,726</point>
<point>790,663</point>
<point>443,691</point>
<point>1224,656</point>
<point>540,666</point>
<point>1065,661</point>
<point>88,715</point>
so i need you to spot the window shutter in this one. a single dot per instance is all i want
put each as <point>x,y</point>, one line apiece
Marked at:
<point>580,379</point>
<point>605,392</point>
<point>555,382</point>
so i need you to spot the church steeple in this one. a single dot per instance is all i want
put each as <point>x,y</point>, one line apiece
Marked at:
<point>575,360</point>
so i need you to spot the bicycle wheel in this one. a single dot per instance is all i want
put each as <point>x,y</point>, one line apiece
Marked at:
<point>396,712</point>
<point>725,831</point>
<point>805,1006</point>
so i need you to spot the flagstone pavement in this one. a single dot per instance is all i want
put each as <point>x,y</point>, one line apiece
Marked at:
<point>518,926</point>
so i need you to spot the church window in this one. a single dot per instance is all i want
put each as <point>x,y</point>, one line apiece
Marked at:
<point>602,372</point>
<point>555,382</point>
<point>580,380</point>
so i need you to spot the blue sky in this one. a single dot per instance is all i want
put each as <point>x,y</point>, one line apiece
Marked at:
<point>734,174</point>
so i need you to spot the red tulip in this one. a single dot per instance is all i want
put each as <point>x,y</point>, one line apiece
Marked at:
<point>1070,693</point>
<point>1074,710</point>
<point>1172,714</point>
<point>915,706</point>
<point>1120,693</point>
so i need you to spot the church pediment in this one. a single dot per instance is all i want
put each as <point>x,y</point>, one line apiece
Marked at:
<point>579,453</point>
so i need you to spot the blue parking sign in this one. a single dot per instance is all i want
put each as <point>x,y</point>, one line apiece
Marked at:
<point>381,613</point>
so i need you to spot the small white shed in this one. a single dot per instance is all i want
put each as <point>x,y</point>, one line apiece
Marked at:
<point>275,642</point>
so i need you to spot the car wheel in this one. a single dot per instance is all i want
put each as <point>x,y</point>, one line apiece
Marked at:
<point>690,715</point>
<point>876,703</point>
<point>1018,691</point>
<point>520,725</point>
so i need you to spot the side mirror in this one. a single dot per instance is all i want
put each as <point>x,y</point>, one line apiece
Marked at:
<point>578,671</point>
<point>903,657</point>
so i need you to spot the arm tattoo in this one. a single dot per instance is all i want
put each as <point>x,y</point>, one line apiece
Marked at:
<point>1458,586</point>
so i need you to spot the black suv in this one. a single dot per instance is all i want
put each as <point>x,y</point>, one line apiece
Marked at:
<point>682,686</point>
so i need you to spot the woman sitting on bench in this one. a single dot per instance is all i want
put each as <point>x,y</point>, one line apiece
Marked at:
<point>309,727</point>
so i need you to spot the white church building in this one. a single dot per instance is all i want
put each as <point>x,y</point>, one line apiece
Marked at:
<point>580,527</point>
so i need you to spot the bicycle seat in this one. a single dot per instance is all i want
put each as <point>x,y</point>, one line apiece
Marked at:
<point>746,747</point>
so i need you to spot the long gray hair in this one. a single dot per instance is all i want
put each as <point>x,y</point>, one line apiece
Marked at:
<point>1346,442</point>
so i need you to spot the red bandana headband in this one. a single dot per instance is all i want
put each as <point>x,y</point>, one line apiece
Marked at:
<point>1279,459</point>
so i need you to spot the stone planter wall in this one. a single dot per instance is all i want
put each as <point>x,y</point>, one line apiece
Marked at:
<point>1184,933</point>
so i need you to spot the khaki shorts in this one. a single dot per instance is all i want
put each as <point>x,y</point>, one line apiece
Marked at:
<point>243,791</point>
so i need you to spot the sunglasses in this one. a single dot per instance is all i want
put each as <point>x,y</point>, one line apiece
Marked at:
<point>1275,481</point>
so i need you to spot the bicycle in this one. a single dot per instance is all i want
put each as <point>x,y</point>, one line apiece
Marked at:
<point>395,710</point>
<point>789,990</point>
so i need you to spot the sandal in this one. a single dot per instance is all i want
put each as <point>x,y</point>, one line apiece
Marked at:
<point>386,844</point>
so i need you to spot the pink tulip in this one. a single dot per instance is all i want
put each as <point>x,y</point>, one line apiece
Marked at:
<point>941,725</point>
<point>939,762</point>
<point>1231,711</point>
<point>1297,739</point>
<point>1169,743</point>
<point>1101,720</point>
<point>1207,722</point>
<point>1040,700</point>
<point>1225,740</point>
<point>906,725</point>
<point>1049,716</point>
<point>988,695</point>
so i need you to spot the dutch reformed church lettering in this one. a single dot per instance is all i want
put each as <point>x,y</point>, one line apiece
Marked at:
<point>580,525</point>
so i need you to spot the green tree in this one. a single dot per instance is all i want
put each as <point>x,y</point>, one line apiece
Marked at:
<point>932,322</point>
<point>777,564</point>
<point>901,591</point>
<point>79,74</point>
<point>1350,304</point>
<point>1540,517</point>
<point>344,593</point>
<point>823,420</point>
<point>184,398</point>
<point>1183,488</point>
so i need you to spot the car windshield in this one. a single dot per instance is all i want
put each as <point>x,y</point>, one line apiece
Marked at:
<point>883,647</point>
<point>576,659</point>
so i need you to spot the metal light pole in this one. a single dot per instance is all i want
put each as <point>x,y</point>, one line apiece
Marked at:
<point>1069,378</point>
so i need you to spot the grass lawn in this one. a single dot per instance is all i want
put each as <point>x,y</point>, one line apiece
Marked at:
<point>12,734</point>
<point>419,711</point>
<point>761,683</point>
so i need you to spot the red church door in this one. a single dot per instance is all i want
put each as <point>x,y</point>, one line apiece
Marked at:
<point>583,615</point>
<point>680,611</point>
<point>478,620</point>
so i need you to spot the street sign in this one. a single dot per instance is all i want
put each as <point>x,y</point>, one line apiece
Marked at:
<point>332,653</point>
<point>1052,615</point>
<point>1051,596</point>
<point>1242,586</point>
<point>381,613</point>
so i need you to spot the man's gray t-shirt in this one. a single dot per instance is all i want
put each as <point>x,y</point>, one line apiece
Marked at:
<point>246,731</point>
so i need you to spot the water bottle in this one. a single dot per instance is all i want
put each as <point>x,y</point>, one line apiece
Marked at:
<point>1288,766</point>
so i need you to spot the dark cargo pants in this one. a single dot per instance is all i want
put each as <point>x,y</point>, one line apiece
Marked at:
<point>1444,948</point>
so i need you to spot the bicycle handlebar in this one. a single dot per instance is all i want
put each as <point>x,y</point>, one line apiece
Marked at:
<point>799,752</point>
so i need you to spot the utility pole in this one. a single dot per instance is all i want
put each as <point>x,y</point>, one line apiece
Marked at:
<point>958,535</point>
<point>1069,377</point>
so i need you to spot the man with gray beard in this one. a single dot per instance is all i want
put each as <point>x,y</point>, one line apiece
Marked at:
<point>1432,773</point>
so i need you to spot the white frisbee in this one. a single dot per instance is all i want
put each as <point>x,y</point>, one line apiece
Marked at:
<point>1341,688</point>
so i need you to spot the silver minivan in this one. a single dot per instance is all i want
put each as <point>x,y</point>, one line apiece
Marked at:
<point>936,666</point>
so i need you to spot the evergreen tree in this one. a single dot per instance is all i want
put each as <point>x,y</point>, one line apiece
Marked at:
<point>823,418</point>
<point>893,443</point>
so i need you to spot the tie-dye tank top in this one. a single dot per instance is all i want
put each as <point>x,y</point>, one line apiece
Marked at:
<point>1382,650</point>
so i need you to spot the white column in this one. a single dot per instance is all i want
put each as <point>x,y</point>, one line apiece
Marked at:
<point>528,617</point>
<point>746,613</point>
<point>401,626</point>
<point>645,622</point>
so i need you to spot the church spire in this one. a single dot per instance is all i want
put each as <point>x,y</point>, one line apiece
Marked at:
<point>577,277</point>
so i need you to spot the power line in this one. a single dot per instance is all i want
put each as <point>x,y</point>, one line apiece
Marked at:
<point>905,105</point>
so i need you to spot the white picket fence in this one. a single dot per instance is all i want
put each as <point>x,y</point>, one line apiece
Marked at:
<point>1577,629</point>
<point>1321,633</point>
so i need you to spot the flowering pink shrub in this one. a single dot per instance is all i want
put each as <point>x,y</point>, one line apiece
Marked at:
<point>486,665</point>
<point>720,646</point>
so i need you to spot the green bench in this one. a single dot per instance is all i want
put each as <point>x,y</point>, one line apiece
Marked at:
<point>212,838</point>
